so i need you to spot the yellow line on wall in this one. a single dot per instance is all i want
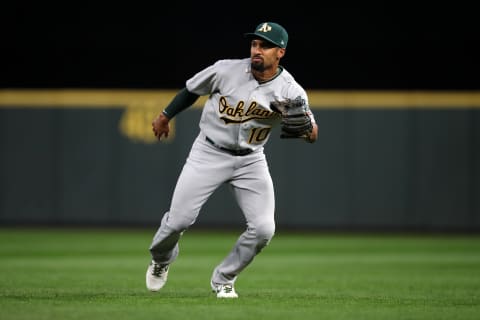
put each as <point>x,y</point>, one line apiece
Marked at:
<point>83,98</point>
<point>319,99</point>
<point>394,99</point>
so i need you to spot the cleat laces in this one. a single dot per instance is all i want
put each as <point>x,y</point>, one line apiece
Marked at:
<point>227,288</point>
<point>158,269</point>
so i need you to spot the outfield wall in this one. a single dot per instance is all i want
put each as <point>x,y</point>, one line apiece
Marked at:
<point>384,160</point>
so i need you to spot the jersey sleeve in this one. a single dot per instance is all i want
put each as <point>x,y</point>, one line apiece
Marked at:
<point>204,82</point>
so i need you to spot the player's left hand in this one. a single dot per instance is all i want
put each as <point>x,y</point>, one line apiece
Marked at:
<point>160,126</point>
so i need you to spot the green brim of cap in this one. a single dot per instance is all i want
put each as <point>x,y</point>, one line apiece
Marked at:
<point>256,35</point>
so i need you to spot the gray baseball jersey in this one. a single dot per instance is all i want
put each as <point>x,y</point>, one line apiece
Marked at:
<point>237,113</point>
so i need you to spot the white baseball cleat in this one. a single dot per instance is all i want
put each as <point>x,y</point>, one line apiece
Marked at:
<point>224,290</point>
<point>156,276</point>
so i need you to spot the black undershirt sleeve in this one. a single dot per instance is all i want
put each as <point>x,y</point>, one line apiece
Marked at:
<point>180,102</point>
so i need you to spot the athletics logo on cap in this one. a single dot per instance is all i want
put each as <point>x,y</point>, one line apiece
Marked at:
<point>265,28</point>
<point>272,32</point>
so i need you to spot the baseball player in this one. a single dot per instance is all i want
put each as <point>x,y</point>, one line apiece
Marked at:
<point>235,124</point>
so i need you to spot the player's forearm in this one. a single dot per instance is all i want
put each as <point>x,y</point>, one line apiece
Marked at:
<point>180,102</point>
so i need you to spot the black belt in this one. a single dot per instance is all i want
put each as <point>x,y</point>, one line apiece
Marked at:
<point>240,152</point>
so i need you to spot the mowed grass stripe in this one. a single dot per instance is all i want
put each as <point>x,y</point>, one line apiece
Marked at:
<point>100,274</point>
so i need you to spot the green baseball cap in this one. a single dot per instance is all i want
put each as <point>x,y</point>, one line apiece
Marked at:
<point>272,32</point>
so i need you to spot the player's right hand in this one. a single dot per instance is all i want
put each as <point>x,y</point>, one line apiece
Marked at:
<point>160,126</point>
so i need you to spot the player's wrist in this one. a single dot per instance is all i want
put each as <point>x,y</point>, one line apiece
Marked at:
<point>166,115</point>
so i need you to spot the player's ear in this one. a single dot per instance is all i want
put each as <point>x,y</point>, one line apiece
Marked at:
<point>280,52</point>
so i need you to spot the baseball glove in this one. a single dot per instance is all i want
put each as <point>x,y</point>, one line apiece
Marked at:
<point>296,123</point>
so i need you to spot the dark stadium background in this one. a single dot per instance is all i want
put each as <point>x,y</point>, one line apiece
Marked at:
<point>160,44</point>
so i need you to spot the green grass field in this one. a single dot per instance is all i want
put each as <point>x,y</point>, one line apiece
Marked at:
<point>100,274</point>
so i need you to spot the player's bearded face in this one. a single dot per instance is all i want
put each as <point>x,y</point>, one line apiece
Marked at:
<point>262,54</point>
<point>264,63</point>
